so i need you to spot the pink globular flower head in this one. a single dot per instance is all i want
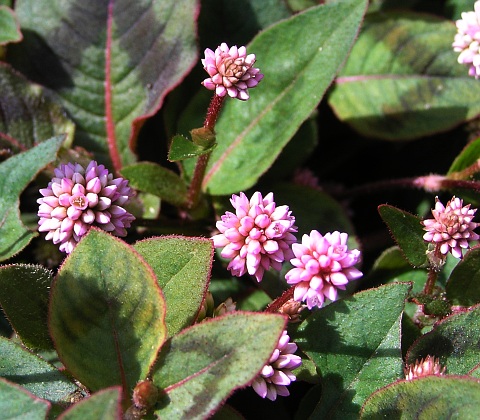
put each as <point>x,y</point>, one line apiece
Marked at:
<point>78,198</point>
<point>277,374</point>
<point>322,264</point>
<point>231,71</point>
<point>257,236</point>
<point>467,40</point>
<point>452,228</point>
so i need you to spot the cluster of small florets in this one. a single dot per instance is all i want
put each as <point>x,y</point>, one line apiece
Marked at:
<point>467,40</point>
<point>231,71</point>
<point>257,236</point>
<point>277,374</point>
<point>452,228</point>
<point>77,199</point>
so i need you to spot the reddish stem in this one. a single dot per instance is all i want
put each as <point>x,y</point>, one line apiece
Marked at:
<point>432,273</point>
<point>202,161</point>
<point>213,112</point>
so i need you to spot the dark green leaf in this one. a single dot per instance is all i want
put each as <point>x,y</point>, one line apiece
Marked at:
<point>157,180</point>
<point>17,403</point>
<point>407,231</point>
<point>356,350</point>
<point>30,113</point>
<point>183,148</point>
<point>33,373</point>
<point>9,27</point>
<point>314,209</point>
<point>388,90</point>
<point>182,266</point>
<point>15,174</point>
<point>24,292</point>
<point>454,340</point>
<point>462,287</point>
<point>468,156</point>
<point>104,405</point>
<point>107,313</point>
<point>111,63</point>
<point>299,57</point>
<point>431,397</point>
<point>213,358</point>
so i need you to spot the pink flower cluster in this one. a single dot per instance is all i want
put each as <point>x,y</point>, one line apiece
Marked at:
<point>322,264</point>
<point>78,198</point>
<point>277,374</point>
<point>258,236</point>
<point>451,228</point>
<point>231,71</point>
<point>467,40</point>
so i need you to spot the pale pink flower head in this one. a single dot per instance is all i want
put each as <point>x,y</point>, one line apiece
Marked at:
<point>277,374</point>
<point>78,198</point>
<point>257,236</point>
<point>425,367</point>
<point>452,228</point>
<point>467,40</point>
<point>322,264</point>
<point>231,71</point>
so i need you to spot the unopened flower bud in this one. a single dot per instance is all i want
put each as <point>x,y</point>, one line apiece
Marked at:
<point>145,395</point>
<point>425,367</point>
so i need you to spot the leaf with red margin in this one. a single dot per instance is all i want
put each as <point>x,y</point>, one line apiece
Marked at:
<point>107,313</point>
<point>430,397</point>
<point>104,404</point>
<point>182,266</point>
<point>200,367</point>
<point>454,340</point>
<point>112,62</point>
<point>16,402</point>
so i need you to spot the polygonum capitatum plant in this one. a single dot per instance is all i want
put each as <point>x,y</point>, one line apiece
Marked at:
<point>190,226</point>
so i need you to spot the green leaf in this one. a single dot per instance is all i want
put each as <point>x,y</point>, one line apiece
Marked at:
<point>182,148</point>
<point>468,156</point>
<point>30,113</point>
<point>22,283</point>
<point>313,209</point>
<point>388,90</point>
<point>106,313</point>
<point>16,403</point>
<point>104,405</point>
<point>251,134</point>
<point>9,27</point>
<point>454,340</point>
<point>33,373</point>
<point>462,286</point>
<point>15,174</point>
<point>182,266</point>
<point>430,397</point>
<point>408,233</point>
<point>357,351</point>
<point>157,180</point>
<point>213,358</point>
<point>111,63</point>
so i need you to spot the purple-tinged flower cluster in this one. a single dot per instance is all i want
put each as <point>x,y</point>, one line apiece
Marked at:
<point>78,198</point>
<point>277,374</point>
<point>231,71</point>
<point>258,236</point>
<point>452,228</point>
<point>467,40</point>
<point>322,264</point>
